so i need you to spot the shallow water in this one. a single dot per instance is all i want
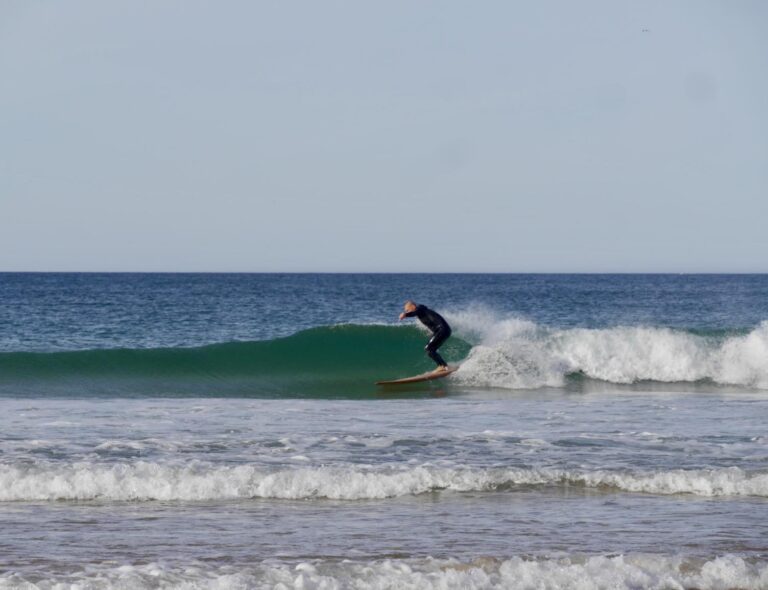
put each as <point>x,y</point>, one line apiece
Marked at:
<point>236,482</point>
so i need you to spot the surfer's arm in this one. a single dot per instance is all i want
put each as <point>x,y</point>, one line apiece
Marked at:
<point>407,314</point>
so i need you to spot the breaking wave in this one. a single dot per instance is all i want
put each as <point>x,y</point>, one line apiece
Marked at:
<point>345,361</point>
<point>147,481</point>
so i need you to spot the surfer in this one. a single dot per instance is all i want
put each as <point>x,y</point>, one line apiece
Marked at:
<point>436,324</point>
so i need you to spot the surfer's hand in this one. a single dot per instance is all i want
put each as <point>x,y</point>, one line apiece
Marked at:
<point>402,315</point>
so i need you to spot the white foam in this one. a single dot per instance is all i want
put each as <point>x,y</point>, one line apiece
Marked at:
<point>513,353</point>
<point>121,445</point>
<point>650,572</point>
<point>146,481</point>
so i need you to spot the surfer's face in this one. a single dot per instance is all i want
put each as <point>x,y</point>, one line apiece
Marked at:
<point>409,306</point>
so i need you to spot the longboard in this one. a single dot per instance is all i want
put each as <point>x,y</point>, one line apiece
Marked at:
<point>418,378</point>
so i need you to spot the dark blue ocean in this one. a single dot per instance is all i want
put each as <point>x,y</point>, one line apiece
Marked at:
<point>225,431</point>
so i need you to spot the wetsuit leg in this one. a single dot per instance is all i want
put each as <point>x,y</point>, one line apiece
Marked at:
<point>437,340</point>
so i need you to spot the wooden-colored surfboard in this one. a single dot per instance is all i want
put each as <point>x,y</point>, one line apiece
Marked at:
<point>418,378</point>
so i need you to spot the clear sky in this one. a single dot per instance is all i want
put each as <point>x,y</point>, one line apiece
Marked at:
<point>540,136</point>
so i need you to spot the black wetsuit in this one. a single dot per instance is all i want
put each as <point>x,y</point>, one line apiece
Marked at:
<point>439,328</point>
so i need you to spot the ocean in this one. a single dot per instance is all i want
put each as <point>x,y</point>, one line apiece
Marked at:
<point>224,431</point>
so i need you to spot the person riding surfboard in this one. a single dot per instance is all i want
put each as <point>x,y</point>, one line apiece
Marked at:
<point>436,324</point>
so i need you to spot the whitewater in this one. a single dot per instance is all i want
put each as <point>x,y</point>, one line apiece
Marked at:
<point>516,353</point>
<point>143,481</point>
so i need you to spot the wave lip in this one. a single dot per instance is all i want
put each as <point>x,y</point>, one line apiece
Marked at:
<point>622,572</point>
<point>146,481</point>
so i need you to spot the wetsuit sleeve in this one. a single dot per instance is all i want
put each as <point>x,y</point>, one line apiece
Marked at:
<point>415,312</point>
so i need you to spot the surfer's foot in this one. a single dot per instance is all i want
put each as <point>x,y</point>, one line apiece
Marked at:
<point>441,368</point>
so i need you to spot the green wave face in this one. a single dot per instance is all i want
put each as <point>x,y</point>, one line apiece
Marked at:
<point>335,361</point>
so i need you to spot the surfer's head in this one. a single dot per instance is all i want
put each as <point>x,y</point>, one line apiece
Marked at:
<point>409,306</point>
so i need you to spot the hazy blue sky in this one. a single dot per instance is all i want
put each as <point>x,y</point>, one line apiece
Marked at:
<point>384,136</point>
